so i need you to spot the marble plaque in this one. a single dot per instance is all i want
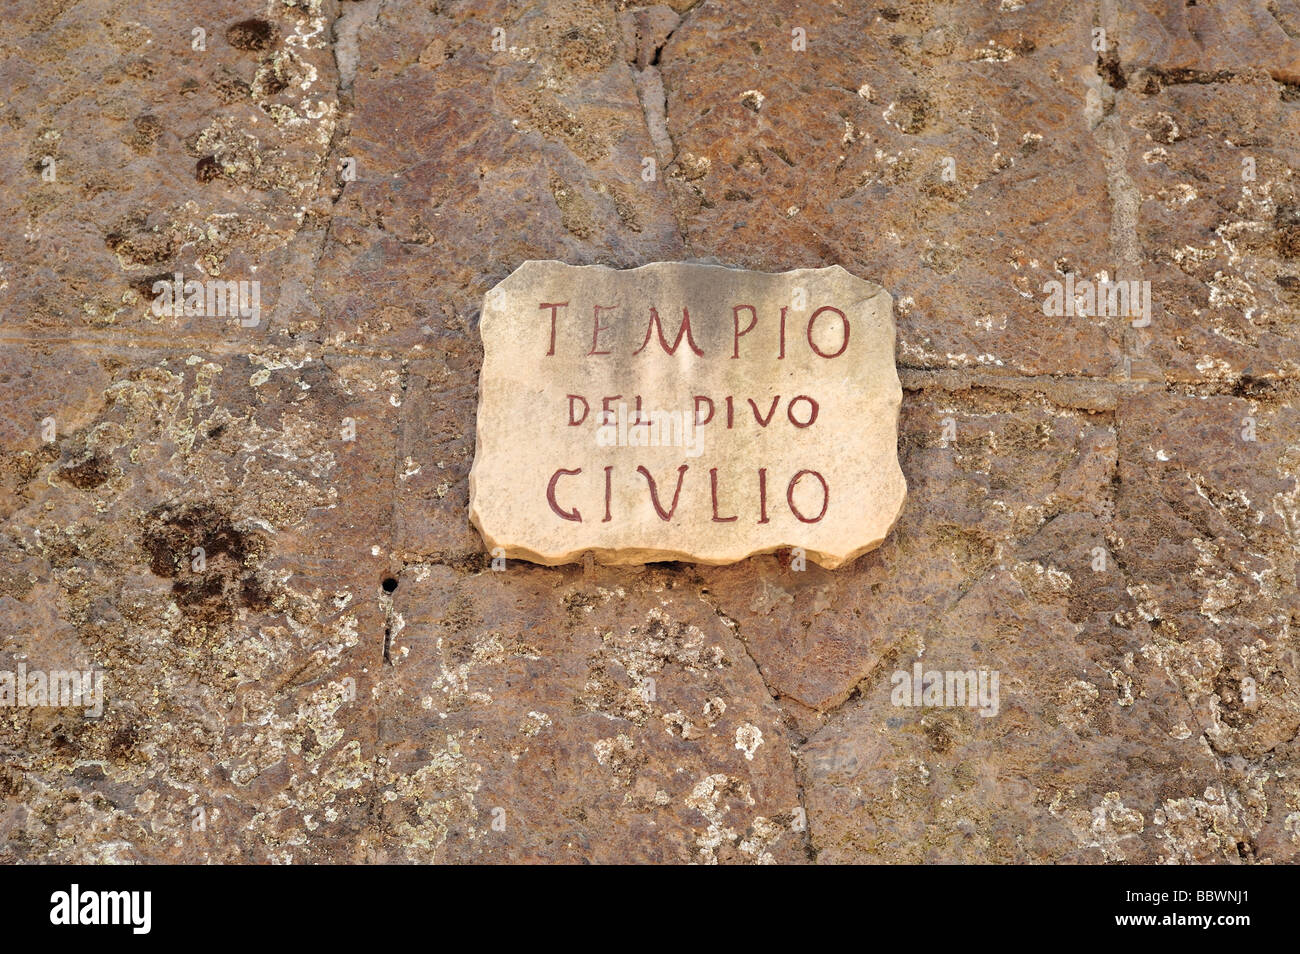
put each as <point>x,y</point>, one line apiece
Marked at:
<point>686,412</point>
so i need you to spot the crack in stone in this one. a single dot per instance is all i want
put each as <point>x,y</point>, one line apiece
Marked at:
<point>1125,198</point>
<point>652,93</point>
<point>343,33</point>
<point>347,39</point>
<point>776,696</point>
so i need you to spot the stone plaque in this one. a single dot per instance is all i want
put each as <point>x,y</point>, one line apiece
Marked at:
<point>686,412</point>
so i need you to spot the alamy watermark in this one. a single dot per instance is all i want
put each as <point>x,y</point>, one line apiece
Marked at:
<point>130,908</point>
<point>947,688</point>
<point>54,688</point>
<point>649,429</point>
<point>1099,299</point>
<point>210,298</point>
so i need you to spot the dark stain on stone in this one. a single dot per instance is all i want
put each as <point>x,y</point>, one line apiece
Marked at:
<point>207,169</point>
<point>85,473</point>
<point>1110,69</point>
<point>228,579</point>
<point>1287,222</point>
<point>255,35</point>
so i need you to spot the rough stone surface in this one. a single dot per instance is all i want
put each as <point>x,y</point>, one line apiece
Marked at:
<point>693,412</point>
<point>347,679</point>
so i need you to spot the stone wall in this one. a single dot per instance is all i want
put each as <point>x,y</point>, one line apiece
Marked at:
<point>1106,515</point>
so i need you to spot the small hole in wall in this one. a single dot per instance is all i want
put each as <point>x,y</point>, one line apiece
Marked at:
<point>389,584</point>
